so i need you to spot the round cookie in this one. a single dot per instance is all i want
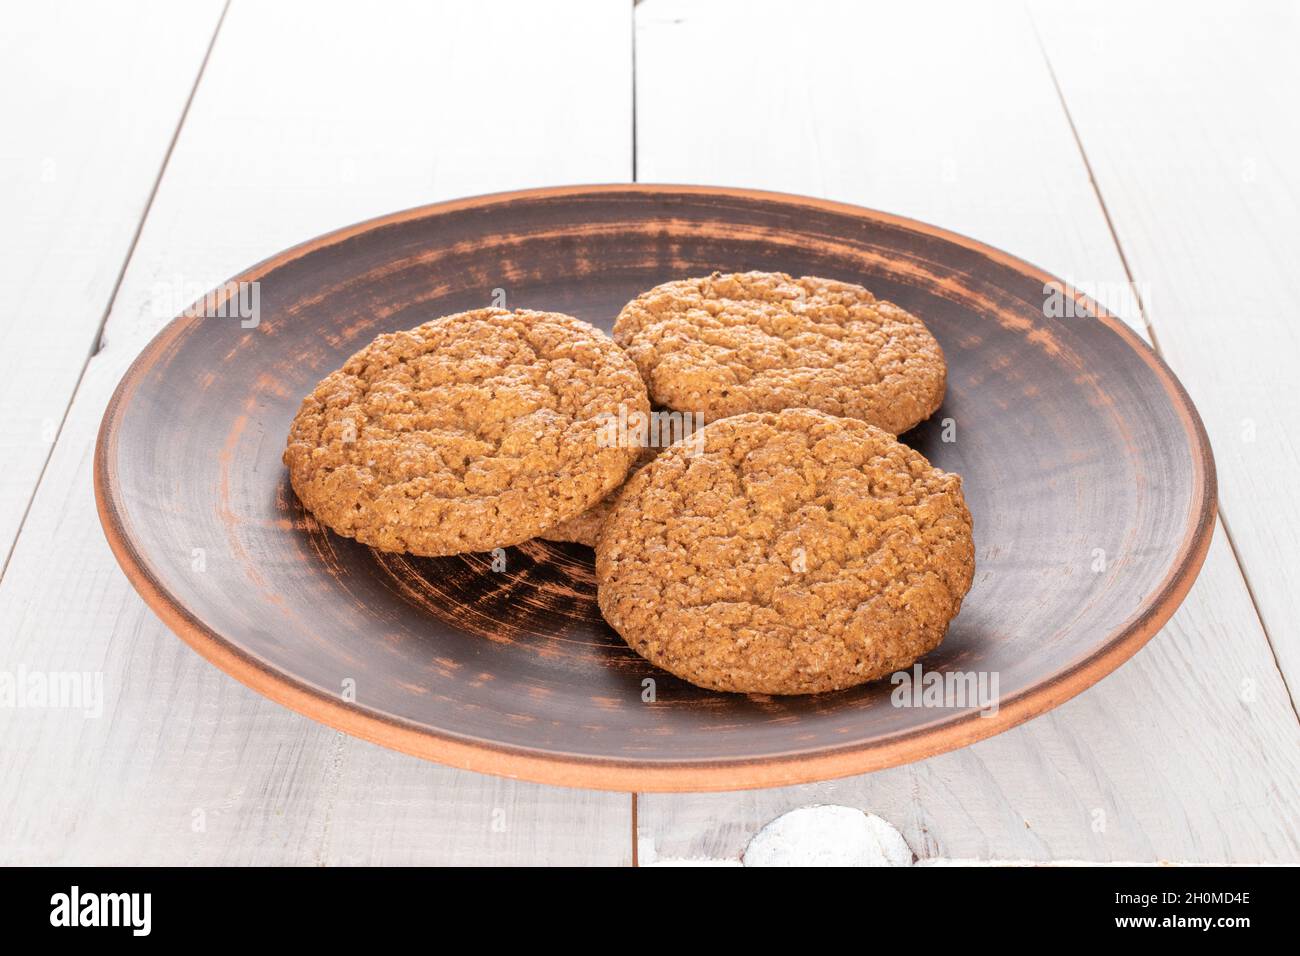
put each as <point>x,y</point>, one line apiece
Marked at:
<point>585,528</point>
<point>762,341</point>
<point>471,432</point>
<point>796,553</point>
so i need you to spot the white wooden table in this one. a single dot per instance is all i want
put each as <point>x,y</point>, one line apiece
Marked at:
<point>153,148</point>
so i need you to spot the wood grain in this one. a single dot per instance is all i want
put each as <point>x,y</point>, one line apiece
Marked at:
<point>928,110</point>
<point>287,136</point>
<point>1195,775</point>
<point>1167,759</point>
<point>94,95</point>
<point>1194,140</point>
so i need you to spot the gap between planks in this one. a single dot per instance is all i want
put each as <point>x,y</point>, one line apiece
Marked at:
<point>1155,344</point>
<point>97,340</point>
<point>636,862</point>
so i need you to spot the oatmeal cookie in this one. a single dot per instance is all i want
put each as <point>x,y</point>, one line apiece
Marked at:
<point>585,527</point>
<point>762,341</point>
<point>470,432</point>
<point>797,553</point>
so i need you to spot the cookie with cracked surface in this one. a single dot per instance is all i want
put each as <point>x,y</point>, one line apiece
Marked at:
<point>471,432</point>
<point>763,341</point>
<point>797,553</point>
<point>585,528</point>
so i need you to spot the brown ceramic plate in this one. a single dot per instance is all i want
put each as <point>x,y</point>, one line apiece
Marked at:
<point>1074,440</point>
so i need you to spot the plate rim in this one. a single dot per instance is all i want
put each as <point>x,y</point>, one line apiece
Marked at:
<point>621,774</point>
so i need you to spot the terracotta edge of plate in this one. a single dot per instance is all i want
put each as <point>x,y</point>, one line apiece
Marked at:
<point>575,770</point>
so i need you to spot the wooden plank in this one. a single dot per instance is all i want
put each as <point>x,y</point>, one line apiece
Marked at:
<point>865,106</point>
<point>1184,754</point>
<point>308,117</point>
<point>1194,138</point>
<point>1189,752</point>
<point>94,93</point>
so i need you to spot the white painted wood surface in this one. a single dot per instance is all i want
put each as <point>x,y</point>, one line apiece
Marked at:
<point>309,116</point>
<point>90,96</point>
<point>1193,134</point>
<point>866,107</point>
